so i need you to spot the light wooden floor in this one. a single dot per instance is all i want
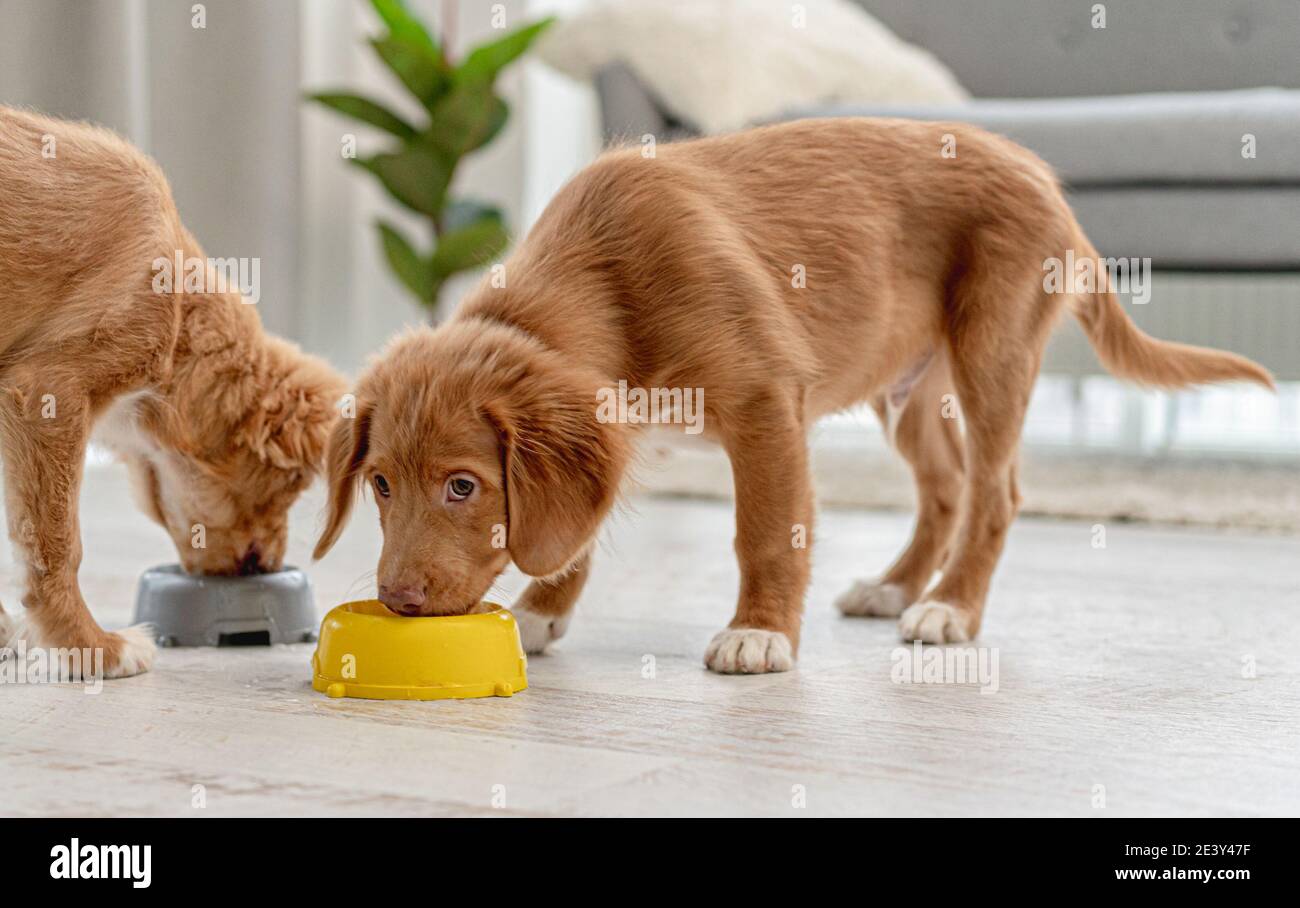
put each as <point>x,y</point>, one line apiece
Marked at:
<point>1119,667</point>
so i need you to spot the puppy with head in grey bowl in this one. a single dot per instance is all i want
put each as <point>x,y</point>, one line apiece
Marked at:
<point>116,322</point>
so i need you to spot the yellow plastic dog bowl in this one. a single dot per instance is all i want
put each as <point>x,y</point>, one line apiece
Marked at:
<point>366,651</point>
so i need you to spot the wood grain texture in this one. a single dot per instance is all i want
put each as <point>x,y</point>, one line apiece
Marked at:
<point>1120,667</point>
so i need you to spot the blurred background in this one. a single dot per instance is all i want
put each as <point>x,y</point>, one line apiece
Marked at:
<point>1175,125</point>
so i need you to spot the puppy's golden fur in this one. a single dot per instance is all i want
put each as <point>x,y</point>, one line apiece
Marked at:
<point>923,286</point>
<point>221,425</point>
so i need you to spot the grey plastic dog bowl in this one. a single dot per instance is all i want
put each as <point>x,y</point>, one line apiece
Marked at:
<point>261,609</point>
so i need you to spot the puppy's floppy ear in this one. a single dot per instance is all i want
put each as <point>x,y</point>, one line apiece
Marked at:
<point>562,469</point>
<point>295,410</point>
<point>348,445</point>
<point>293,438</point>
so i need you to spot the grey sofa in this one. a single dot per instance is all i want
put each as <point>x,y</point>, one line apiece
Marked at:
<point>1145,121</point>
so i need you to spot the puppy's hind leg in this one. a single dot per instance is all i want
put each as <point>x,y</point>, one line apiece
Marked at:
<point>544,610</point>
<point>924,429</point>
<point>995,361</point>
<point>774,514</point>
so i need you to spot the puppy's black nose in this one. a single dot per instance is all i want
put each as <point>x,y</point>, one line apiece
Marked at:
<point>251,562</point>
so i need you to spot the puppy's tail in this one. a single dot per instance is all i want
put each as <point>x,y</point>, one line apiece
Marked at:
<point>1128,352</point>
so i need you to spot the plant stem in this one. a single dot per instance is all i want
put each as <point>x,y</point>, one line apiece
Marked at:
<point>447,39</point>
<point>450,9</point>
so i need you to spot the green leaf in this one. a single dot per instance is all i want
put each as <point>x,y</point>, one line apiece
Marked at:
<point>416,176</point>
<point>486,60</point>
<point>471,246</point>
<point>406,263</point>
<point>463,212</point>
<point>367,111</point>
<point>467,117</point>
<point>404,25</point>
<point>419,72</point>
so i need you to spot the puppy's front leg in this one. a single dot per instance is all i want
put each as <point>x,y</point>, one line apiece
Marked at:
<point>774,514</point>
<point>43,458</point>
<point>544,610</point>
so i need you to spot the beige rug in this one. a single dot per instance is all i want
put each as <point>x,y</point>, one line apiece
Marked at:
<point>1225,494</point>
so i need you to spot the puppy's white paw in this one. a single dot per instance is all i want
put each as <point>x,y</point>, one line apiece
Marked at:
<point>537,631</point>
<point>749,651</point>
<point>137,652</point>
<point>885,600</point>
<point>135,655</point>
<point>934,622</point>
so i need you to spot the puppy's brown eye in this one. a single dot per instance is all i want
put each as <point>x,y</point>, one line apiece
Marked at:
<point>459,488</point>
<point>381,485</point>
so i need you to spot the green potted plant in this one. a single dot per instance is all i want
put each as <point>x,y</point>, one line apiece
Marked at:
<point>463,113</point>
